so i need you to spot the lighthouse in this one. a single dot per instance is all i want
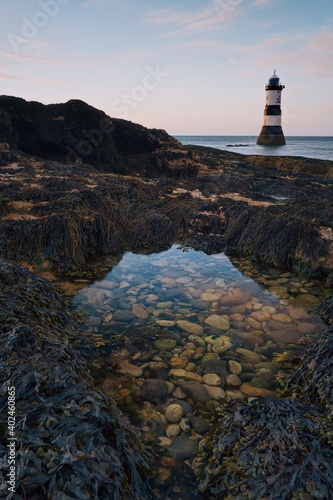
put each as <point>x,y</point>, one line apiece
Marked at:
<point>271,133</point>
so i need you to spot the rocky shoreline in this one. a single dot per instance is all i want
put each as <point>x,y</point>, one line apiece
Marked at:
<point>137,188</point>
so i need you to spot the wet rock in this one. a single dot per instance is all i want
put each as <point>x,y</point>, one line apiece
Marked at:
<point>216,366</point>
<point>164,305</point>
<point>249,356</point>
<point>178,393</point>
<point>177,363</point>
<point>305,302</point>
<point>165,344</point>
<point>215,393</point>
<point>164,441</point>
<point>184,448</point>
<point>282,318</point>
<point>197,340</point>
<point>208,357</point>
<point>298,313</point>
<point>306,328</point>
<point>233,380</point>
<point>123,316</point>
<point>218,322</point>
<point>261,383</point>
<point>185,375</point>
<point>261,316</point>
<point>211,379</point>
<point>174,413</point>
<point>269,310</point>
<point>236,299</point>
<point>253,323</point>
<point>277,325</point>
<point>199,305</point>
<point>284,336</point>
<point>139,311</point>
<point>250,390</point>
<point>187,408</point>
<point>235,367</point>
<point>221,346</point>
<point>127,368</point>
<point>166,323</point>
<point>266,374</point>
<point>172,431</point>
<point>155,390</point>
<point>189,327</point>
<point>195,391</point>
<point>210,297</point>
<point>280,292</point>
<point>199,425</point>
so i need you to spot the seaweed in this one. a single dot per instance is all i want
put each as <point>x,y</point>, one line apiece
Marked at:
<point>266,449</point>
<point>72,441</point>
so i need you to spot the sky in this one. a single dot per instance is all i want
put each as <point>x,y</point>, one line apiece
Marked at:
<point>190,68</point>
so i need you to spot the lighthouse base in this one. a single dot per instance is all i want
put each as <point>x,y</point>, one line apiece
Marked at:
<point>271,136</point>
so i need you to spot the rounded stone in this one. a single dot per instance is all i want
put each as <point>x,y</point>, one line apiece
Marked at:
<point>249,356</point>
<point>253,323</point>
<point>173,430</point>
<point>165,344</point>
<point>191,367</point>
<point>212,379</point>
<point>214,392</point>
<point>233,380</point>
<point>282,318</point>
<point>164,441</point>
<point>180,362</point>
<point>265,374</point>
<point>306,328</point>
<point>269,309</point>
<point>185,375</point>
<point>166,323</point>
<point>235,367</point>
<point>139,311</point>
<point>197,340</point>
<point>250,390</point>
<point>218,322</point>
<point>174,413</point>
<point>210,297</point>
<point>261,316</point>
<point>189,327</point>
<point>178,393</point>
<point>305,301</point>
<point>260,382</point>
<point>221,346</point>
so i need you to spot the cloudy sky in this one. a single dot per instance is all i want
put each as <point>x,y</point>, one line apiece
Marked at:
<point>188,67</point>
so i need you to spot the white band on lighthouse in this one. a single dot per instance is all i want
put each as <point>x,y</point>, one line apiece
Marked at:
<point>272,121</point>
<point>273,97</point>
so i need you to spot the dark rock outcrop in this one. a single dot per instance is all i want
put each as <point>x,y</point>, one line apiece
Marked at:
<point>75,132</point>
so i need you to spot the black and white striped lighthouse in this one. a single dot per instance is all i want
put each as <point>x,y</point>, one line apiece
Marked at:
<point>271,133</point>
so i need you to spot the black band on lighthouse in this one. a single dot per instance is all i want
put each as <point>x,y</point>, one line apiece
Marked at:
<point>272,110</point>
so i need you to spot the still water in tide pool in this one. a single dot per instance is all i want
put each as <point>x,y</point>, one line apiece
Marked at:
<point>180,328</point>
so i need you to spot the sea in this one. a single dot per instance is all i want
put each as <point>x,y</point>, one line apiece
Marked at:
<point>310,147</point>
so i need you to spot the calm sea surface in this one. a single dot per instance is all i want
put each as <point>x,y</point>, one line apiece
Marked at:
<point>311,147</point>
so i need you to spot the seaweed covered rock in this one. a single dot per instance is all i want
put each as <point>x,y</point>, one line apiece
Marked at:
<point>308,374</point>
<point>267,449</point>
<point>72,441</point>
<point>75,132</point>
<point>325,309</point>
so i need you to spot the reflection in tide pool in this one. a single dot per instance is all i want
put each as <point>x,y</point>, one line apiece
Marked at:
<point>179,329</point>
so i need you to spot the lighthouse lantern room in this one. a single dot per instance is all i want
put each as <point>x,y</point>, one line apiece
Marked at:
<point>271,133</point>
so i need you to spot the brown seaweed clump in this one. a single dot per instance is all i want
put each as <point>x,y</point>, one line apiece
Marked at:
<point>267,449</point>
<point>72,441</point>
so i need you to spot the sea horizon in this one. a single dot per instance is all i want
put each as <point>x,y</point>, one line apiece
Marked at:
<point>316,147</point>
